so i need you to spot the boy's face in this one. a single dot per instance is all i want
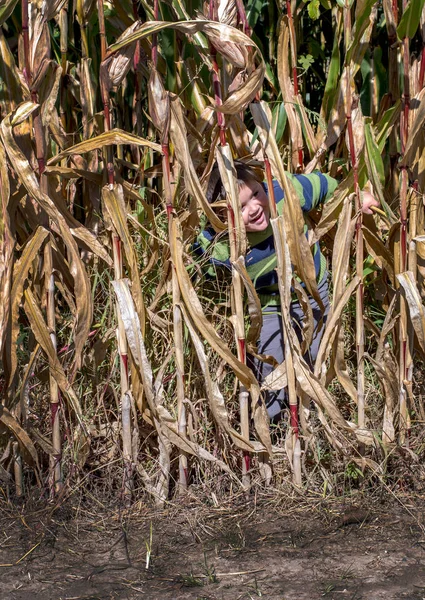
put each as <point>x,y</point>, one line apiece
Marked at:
<point>255,206</point>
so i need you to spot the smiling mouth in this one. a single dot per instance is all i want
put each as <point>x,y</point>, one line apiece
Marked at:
<point>257,217</point>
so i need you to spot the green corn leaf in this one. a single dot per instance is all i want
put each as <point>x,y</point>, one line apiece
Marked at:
<point>331,86</point>
<point>6,9</point>
<point>253,11</point>
<point>374,153</point>
<point>279,121</point>
<point>409,22</point>
<point>313,9</point>
<point>358,46</point>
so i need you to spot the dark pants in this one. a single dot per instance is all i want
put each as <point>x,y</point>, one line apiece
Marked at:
<point>271,342</point>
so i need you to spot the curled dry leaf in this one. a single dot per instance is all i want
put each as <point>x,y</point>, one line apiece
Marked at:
<point>109,138</point>
<point>88,97</point>
<point>215,397</point>
<point>26,445</point>
<point>84,10</point>
<point>358,130</point>
<point>254,305</point>
<point>39,50</point>
<point>14,87</point>
<point>20,276</point>
<point>287,89</point>
<point>178,136</point>
<point>228,12</point>
<point>42,335</point>
<point>50,8</point>
<point>417,112</point>
<point>414,302</point>
<point>113,200</point>
<point>7,245</point>
<point>165,424</point>
<point>299,248</point>
<point>28,179</point>
<point>231,43</point>
<point>114,69</point>
<point>6,9</point>
<point>205,328</point>
<point>159,101</point>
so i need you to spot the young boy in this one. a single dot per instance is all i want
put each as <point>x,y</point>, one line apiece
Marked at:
<point>260,261</point>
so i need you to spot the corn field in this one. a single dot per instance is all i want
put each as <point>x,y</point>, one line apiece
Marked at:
<point>119,355</point>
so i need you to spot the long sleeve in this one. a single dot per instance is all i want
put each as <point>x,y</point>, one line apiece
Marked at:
<point>312,190</point>
<point>212,250</point>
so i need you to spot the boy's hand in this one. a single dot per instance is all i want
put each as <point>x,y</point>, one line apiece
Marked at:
<point>368,200</point>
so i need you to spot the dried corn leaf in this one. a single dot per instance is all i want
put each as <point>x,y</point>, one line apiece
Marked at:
<point>385,370</point>
<point>382,255</point>
<point>113,200</point>
<point>28,451</point>
<point>194,308</point>
<point>254,305</point>
<point>42,335</point>
<point>340,272</point>
<point>299,248</point>
<point>39,50</point>
<point>416,308</point>
<point>332,325</point>
<point>6,9</point>
<point>13,88</point>
<point>277,379</point>
<point>178,135</point>
<point>287,89</point>
<point>358,129</point>
<point>215,397</point>
<point>232,41</point>
<point>159,101</point>
<point>48,97</point>
<point>109,138</point>
<point>240,98</point>
<point>20,276</point>
<point>232,44</point>
<point>7,245</point>
<point>295,364</point>
<point>418,109</point>
<point>165,424</point>
<point>50,8</point>
<point>115,67</point>
<point>28,179</point>
<point>237,234</point>
<point>88,97</point>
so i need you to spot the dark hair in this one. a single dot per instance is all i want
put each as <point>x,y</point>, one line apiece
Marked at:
<point>244,175</point>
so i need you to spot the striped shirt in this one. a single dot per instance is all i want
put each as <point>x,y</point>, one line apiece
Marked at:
<point>260,260</point>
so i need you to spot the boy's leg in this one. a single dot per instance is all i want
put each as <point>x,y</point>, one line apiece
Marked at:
<point>319,318</point>
<point>271,342</point>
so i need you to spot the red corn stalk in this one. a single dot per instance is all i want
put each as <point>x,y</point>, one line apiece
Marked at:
<point>293,42</point>
<point>177,315</point>
<point>49,278</point>
<point>118,273</point>
<point>359,234</point>
<point>292,395</point>
<point>237,287</point>
<point>403,326</point>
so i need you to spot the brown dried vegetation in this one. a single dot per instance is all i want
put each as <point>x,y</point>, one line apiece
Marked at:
<point>115,350</point>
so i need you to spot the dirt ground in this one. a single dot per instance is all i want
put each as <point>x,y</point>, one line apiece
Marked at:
<point>247,550</point>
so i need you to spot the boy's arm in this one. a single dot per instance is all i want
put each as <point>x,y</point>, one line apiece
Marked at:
<point>211,252</point>
<point>313,189</point>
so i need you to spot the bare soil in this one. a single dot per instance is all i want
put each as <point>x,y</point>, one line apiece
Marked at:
<point>275,549</point>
